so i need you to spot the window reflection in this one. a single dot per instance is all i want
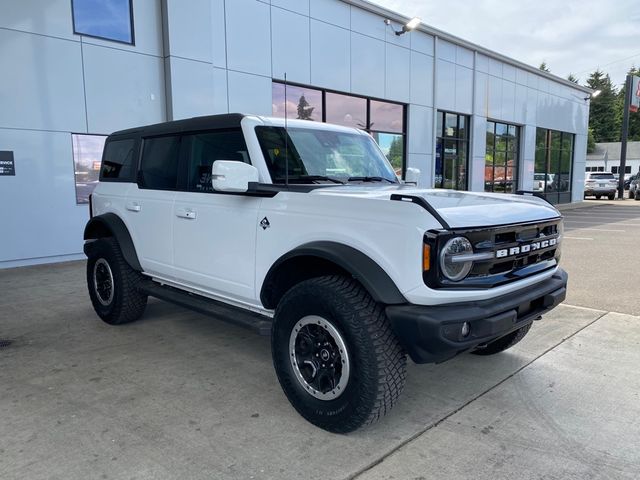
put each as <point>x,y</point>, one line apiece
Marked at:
<point>87,156</point>
<point>346,110</point>
<point>501,158</point>
<point>383,120</point>
<point>393,147</point>
<point>108,19</point>
<point>302,103</point>
<point>451,151</point>
<point>554,156</point>
<point>386,117</point>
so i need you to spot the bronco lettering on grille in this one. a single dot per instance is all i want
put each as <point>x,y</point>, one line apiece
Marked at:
<point>530,247</point>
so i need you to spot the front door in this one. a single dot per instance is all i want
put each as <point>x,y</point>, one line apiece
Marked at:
<point>214,233</point>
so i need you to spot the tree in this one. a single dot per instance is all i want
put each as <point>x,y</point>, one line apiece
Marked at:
<point>543,67</point>
<point>634,117</point>
<point>604,114</point>
<point>572,78</point>
<point>304,110</point>
<point>591,141</point>
<point>395,153</point>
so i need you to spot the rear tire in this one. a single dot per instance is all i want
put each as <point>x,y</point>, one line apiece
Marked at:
<point>612,196</point>
<point>503,343</point>
<point>630,195</point>
<point>598,197</point>
<point>329,319</point>
<point>113,284</point>
<point>636,196</point>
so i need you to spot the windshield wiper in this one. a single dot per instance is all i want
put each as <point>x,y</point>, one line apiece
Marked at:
<point>369,179</point>
<point>313,178</point>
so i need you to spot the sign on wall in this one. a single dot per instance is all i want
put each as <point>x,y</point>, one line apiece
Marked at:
<point>7,166</point>
<point>634,106</point>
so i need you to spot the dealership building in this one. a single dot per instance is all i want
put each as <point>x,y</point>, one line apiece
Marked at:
<point>74,71</point>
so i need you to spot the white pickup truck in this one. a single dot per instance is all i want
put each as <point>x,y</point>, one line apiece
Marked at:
<point>303,232</point>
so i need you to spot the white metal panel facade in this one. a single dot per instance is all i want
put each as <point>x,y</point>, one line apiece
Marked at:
<point>220,56</point>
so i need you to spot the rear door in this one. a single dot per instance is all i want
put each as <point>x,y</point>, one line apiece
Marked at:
<point>149,204</point>
<point>214,233</point>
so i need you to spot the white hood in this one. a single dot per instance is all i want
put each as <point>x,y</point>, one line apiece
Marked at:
<point>461,209</point>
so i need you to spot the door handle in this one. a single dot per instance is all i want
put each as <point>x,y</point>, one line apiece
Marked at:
<point>133,206</point>
<point>186,213</point>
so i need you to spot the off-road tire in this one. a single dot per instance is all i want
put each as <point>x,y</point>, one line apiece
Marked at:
<point>630,195</point>
<point>612,196</point>
<point>503,343</point>
<point>127,303</point>
<point>377,361</point>
<point>636,196</point>
<point>598,197</point>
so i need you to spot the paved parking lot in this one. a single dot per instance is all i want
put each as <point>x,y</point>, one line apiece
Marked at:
<point>179,395</point>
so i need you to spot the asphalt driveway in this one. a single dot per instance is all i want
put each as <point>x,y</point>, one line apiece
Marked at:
<point>180,395</point>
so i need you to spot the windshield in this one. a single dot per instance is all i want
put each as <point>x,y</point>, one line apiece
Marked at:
<point>322,156</point>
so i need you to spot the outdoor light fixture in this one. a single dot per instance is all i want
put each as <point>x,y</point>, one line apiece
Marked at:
<point>594,94</point>
<point>410,25</point>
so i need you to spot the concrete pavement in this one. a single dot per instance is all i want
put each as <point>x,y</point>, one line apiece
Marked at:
<point>180,395</point>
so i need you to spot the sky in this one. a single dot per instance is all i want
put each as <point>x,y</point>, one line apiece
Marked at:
<point>571,36</point>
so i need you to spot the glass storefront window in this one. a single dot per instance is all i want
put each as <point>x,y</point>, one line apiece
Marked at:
<point>112,20</point>
<point>501,158</point>
<point>87,156</point>
<point>554,157</point>
<point>346,110</point>
<point>386,117</point>
<point>393,147</point>
<point>452,139</point>
<point>385,121</point>
<point>302,103</point>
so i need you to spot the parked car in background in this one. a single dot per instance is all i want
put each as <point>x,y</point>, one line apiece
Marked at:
<point>599,184</point>
<point>539,180</point>
<point>634,186</point>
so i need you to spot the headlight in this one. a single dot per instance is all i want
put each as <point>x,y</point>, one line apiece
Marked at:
<point>453,268</point>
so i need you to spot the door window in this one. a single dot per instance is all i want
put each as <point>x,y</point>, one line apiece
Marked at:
<point>159,167</point>
<point>207,147</point>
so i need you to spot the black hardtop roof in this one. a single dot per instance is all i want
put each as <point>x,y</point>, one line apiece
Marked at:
<point>208,122</point>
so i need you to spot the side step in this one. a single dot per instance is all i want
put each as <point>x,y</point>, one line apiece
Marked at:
<point>260,324</point>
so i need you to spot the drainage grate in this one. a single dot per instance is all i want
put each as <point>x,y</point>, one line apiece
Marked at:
<point>4,343</point>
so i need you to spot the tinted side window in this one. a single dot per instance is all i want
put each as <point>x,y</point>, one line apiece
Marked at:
<point>159,167</point>
<point>118,162</point>
<point>207,147</point>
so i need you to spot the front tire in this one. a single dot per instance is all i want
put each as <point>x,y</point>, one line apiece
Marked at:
<point>336,358</point>
<point>612,196</point>
<point>503,343</point>
<point>598,197</point>
<point>112,284</point>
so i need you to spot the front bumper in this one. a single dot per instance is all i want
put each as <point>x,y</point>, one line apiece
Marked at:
<point>432,333</point>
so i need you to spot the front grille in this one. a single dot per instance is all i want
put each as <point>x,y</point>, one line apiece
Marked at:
<point>517,264</point>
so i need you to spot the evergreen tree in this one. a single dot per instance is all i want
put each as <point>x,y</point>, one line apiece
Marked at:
<point>543,67</point>
<point>604,114</point>
<point>304,110</point>
<point>591,141</point>
<point>395,153</point>
<point>572,78</point>
<point>634,117</point>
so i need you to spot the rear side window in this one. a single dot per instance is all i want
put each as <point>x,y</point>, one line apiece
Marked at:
<point>118,161</point>
<point>159,166</point>
<point>207,147</point>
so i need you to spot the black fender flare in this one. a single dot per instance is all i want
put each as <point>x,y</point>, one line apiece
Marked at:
<point>111,225</point>
<point>361,267</point>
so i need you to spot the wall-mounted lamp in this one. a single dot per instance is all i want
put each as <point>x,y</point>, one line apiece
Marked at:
<point>410,25</point>
<point>593,95</point>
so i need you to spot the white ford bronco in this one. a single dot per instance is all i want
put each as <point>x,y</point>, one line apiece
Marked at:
<point>303,232</point>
